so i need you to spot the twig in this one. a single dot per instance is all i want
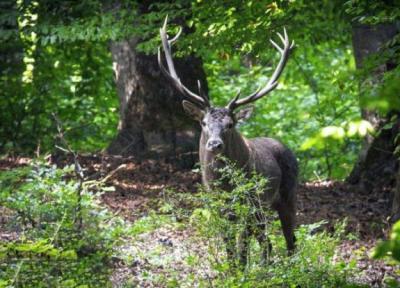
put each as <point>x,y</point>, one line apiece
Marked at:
<point>17,273</point>
<point>78,170</point>
<point>93,183</point>
<point>58,228</point>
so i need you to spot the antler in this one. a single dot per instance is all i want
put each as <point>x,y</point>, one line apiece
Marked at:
<point>272,83</point>
<point>171,73</point>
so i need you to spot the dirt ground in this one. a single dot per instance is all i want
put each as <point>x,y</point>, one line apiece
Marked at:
<point>140,185</point>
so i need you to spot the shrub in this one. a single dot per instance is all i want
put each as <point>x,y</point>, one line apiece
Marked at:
<point>315,262</point>
<point>390,250</point>
<point>65,237</point>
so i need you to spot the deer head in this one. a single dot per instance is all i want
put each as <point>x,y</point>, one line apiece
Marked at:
<point>218,122</point>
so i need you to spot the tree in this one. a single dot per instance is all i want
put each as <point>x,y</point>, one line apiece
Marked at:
<point>78,44</point>
<point>377,161</point>
<point>152,121</point>
<point>376,53</point>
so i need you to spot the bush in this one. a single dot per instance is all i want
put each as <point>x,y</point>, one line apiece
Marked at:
<point>315,262</point>
<point>390,248</point>
<point>65,238</point>
<point>390,251</point>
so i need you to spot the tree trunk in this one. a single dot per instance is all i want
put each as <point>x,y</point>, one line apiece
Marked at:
<point>152,121</point>
<point>377,164</point>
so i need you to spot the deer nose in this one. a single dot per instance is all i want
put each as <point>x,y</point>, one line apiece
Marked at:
<point>215,145</point>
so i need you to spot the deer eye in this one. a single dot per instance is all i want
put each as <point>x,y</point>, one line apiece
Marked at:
<point>203,123</point>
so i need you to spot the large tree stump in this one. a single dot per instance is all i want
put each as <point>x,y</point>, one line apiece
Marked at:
<point>152,121</point>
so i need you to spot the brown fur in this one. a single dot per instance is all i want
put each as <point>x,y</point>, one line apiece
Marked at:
<point>266,156</point>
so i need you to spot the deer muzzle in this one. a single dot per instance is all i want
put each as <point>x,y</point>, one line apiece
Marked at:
<point>215,145</point>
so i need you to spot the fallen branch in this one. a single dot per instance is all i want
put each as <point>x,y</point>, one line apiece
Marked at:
<point>97,183</point>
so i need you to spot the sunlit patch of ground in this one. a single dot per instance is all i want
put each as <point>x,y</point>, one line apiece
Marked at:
<point>161,257</point>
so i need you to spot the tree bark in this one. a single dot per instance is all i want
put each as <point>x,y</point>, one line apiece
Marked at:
<point>152,121</point>
<point>377,164</point>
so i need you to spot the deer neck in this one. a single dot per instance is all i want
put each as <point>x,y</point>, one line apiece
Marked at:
<point>236,149</point>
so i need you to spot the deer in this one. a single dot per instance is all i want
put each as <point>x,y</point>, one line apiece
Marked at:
<point>219,136</point>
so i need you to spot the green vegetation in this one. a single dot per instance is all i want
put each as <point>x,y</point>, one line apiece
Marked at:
<point>67,70</point>
<point>67,241</point>
<point>312,265</point>
<point>64,236</point>
<point>56,63</point>
<point>391,247</point>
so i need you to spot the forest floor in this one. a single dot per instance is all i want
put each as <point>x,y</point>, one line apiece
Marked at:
<point>139,186</point>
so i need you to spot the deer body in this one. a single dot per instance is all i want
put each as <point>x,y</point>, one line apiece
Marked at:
<point>219,136</point>
<point>266,156</point>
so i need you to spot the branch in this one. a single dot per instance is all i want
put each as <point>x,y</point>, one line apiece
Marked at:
<point>78,169</point>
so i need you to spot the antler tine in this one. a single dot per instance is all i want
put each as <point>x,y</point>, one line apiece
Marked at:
<point>231,104</point>
<point>170,73</point>
<point>201,92</point>
<point>275,45</point>
<point>176,36</point>
<point>272,82</point>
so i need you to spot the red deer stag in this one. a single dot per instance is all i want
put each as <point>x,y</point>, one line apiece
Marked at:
<point>266,156</point>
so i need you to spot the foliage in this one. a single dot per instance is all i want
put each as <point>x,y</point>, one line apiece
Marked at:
<point>315,262</point>
<point>318,89</point>
<point>379,90</point>
<point>55,59</point>
<point>390,250</point>
<point>73,81</point>
<point>58,62</point>
<point>70,69</point>
<point>311,98</point>
<point>391,247</point>
<point>65,238</point>
<point>373,12</point>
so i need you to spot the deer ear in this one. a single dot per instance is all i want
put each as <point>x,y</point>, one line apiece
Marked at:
<point>193,110</point>
<point>244,114</point>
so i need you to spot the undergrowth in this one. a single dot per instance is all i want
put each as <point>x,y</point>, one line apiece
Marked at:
<point>63,236</point>
<point>315,262</point>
